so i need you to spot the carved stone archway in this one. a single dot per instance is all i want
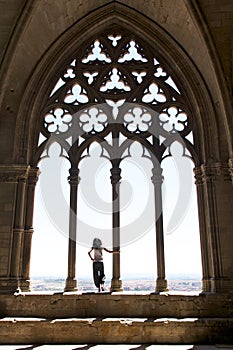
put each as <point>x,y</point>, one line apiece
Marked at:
<point>116,79</point>
<point>208,171</point>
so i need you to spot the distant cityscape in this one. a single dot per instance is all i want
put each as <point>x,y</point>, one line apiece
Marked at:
<point>135,284</point>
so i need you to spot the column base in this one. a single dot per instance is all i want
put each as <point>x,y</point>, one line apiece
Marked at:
<point>71,285</point>
<point>207,285</point>
<point>161,285</point>
<point>116,285</point>
<point>9,285</point>
<point>217,285</point>
<point>25,285</point>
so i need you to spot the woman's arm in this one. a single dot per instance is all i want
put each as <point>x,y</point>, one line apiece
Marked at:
<point>89,253</point>
<point>111,251</point>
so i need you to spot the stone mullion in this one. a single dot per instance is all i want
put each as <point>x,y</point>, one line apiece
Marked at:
<point>28,231</point>
<point>157,179</point>
<point>116,283</point>
<point>71,282</point>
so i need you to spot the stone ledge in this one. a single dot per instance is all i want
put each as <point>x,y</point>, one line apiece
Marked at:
<point>113,331</point>
<point>149,305</point>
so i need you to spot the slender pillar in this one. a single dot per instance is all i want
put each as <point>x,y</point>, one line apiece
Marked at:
<point>116,283</point>
<point>210,237</point>
<point>205,244</point>
<point>18,230</point>
<point>71,282</point>
<point>28,231</point>
<point>157,179</point>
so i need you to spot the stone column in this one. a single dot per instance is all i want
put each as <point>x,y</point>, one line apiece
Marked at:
<point>28,231</point>
<point>12,188</point>
<point>18,229</point>
<point>71,282</point>
<point>206,177</point>
<point>157,179</point>
<point>204,241</point>
<point>116,283</point>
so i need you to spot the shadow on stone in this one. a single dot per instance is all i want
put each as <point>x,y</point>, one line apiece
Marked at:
<point>29,347</point>
<point>86,347</point>
<point>141,347</point>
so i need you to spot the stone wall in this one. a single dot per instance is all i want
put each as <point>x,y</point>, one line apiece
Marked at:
<point>195,37</point>
<point>58,305</point>
<point>116,318</point>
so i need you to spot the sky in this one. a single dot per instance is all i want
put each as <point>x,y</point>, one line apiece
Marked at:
<point>138,238</point>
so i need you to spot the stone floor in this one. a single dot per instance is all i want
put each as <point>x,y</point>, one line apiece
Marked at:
<point>116,347</point>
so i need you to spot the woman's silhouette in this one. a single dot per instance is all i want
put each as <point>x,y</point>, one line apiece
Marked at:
<point>98,265</point>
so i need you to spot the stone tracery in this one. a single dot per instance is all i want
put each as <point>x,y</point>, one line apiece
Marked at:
<point>115,86</point>
<point>115,70</point>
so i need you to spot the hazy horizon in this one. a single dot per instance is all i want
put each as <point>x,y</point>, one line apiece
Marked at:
<point>130,276</point>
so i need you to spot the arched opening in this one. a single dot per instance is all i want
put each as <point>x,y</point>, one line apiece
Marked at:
<point>94,214</point>
<point>51,223</point>
<point>181,225</point>
<point>138,237</point>
<point>189,47</point>
<point>114,92</point>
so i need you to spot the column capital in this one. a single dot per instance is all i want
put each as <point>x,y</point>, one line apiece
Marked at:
<point>230,163</point>
<point>157,177</point>
<point>208,173</point>
<point>33,176</point>
<point>115,175</point>
<point>198,175</point>
<point>213,172</point>
<point>74,177</point>
<point>14,173</point>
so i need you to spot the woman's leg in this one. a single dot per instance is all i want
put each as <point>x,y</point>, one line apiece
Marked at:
<point>102,276</point>
<point>96,274</point>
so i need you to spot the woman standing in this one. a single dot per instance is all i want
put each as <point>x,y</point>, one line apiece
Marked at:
<point>98,265</point>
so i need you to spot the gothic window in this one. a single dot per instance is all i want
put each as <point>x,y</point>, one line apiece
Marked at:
<point>114,91</point>
<point>116,85</point>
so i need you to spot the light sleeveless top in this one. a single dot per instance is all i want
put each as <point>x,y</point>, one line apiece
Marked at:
<point>98,254</point>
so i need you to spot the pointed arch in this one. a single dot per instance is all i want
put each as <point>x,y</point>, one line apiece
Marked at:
<point>48,71</point>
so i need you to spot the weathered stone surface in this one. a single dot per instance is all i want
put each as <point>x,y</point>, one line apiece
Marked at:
<point>127,330</point>
<point>115,305</point>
